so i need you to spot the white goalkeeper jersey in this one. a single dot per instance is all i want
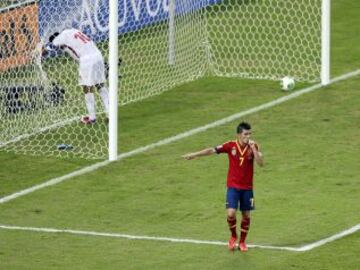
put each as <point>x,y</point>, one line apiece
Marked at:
<point>77,44</point>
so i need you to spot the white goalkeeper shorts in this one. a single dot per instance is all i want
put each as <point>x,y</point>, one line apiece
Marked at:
<point>91,70</point>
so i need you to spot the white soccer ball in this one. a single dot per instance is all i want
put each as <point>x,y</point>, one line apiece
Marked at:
<point>287,83</point>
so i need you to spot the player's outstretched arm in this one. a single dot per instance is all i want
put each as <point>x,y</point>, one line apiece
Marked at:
<point>202,153</point>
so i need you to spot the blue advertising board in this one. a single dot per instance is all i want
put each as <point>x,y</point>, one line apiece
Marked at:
<point>91,16</point>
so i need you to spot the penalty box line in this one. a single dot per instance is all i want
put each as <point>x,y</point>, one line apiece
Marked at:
<point>180,136</point>
<point>303,248</point>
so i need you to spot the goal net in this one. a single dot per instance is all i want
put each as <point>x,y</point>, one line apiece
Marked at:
<point>162,43</point>
<point>265,39</point>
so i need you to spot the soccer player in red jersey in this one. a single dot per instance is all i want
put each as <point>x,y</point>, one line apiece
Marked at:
<point>241,153</point>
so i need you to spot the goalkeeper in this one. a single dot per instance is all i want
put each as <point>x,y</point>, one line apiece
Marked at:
<point>91,67</point>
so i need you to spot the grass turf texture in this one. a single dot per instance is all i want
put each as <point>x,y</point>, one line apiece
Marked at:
<point>308,189</point>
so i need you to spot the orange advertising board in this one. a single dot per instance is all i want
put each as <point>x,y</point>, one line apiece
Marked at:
<point>19,34</point>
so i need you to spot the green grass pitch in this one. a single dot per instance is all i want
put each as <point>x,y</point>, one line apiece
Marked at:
<point>308,190</point>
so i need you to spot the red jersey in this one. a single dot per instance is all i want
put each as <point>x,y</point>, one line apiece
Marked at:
<point>241,164</point>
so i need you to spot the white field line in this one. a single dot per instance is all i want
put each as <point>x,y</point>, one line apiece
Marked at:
<point>41,130</point>
<point>179,240</point>
<point>180,136</point>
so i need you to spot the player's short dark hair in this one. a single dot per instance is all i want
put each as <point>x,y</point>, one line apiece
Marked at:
<point>243,126</point>
<point>53,36</point>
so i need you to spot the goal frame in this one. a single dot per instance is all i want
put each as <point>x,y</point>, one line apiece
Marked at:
<point>113,61</point>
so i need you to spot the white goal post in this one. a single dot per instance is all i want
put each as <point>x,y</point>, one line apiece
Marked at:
<point>325,42</point>
<point>113,79</point>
